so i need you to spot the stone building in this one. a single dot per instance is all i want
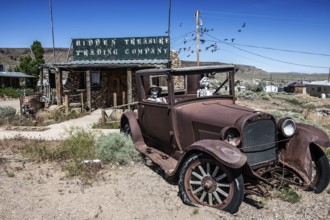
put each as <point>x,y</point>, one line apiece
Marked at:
<point>296,87</point>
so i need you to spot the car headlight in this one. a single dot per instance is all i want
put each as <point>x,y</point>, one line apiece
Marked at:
<point>231,135</point>
<point>287,126</point>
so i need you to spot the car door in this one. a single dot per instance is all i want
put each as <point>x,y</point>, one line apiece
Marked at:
<point>155,115</point>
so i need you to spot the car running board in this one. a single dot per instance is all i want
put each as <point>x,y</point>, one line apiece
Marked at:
<point>166,162</point>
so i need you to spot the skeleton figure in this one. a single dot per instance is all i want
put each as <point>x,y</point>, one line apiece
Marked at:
<point>154,95</point>
<point>204,90</point>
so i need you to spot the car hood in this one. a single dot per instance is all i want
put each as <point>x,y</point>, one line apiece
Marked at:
<point>205,119</point>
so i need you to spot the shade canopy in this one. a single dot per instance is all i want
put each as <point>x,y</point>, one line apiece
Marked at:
<point>15,75</point>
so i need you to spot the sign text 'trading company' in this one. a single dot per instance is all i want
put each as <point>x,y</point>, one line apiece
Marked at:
<point>131,48</point>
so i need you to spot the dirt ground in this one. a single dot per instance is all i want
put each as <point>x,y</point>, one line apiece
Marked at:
<point>30,190</point>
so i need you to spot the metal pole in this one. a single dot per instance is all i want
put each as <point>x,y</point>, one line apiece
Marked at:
<point>168,33</point>
<point>197,38</point>
<point>51,21</point>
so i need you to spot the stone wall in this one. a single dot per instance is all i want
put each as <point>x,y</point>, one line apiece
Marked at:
<point>111,81</point>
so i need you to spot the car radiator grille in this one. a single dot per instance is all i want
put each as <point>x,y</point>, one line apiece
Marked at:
<point>259,142</point>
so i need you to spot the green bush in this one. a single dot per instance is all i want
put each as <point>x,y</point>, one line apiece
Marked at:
<point>7,111</point>
<point>116,148</point>
<point>295,101</point>
<point>38,150</point>
<point>266,97</point>
<point>289,195</point>
<point>9,92</point>
<point>309,106</point>
<point>77,147</point>
<point>248,95</point>
<point>27,91</point>
<point>277,114</point>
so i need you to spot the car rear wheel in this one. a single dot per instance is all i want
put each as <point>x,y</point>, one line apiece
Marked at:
<point>320,171</point>
<point>205,181</point>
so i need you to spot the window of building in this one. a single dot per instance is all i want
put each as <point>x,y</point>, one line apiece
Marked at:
<point>96,79</point>
<point>82,80</point>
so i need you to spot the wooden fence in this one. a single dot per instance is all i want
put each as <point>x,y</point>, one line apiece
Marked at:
<point>117,109</point>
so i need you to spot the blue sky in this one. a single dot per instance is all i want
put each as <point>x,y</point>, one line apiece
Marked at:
<point>296,25</point>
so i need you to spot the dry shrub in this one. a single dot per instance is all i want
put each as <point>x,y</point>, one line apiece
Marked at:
<point>116,148</point>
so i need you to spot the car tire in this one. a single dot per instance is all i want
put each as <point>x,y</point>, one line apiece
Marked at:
<point>205,181</point>
<point>321,171</point>
<point>126,128</point>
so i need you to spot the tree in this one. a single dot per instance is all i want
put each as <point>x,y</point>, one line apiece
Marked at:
<point>30,65</point>
<point>261,86</point>
<point>38,52</point>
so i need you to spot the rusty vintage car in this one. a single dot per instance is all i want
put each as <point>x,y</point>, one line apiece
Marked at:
<point>188,124</point>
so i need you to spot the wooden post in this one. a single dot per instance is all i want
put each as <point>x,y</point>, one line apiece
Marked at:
<point>89,90</point>
<point>115,102</point>
<point>66,101</point>
<point>124,100</point>
<point>59,86</point>
<point>103,118</point>
<point>82,101</point>
<point>129,87</point>
<point>21,98</point>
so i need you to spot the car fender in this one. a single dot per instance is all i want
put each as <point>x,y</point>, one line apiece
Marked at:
<point>224,152</point>
<point>131,118</point>
<point>297,154</point>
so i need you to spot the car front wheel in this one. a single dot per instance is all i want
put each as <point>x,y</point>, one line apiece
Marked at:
<point>320,171</point>
<point>205,181</point>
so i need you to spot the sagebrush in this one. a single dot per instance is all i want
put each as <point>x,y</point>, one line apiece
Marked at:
<point>116,148</point>
<point>7,111</point>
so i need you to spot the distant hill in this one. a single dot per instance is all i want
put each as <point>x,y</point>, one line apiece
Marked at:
<point>243,69</point>
<point>9,57</point>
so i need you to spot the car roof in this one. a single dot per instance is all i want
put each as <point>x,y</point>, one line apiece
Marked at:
<point>188,70</point>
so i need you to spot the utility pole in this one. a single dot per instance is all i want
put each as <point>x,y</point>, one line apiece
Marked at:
<point>197,37</point>
<point>51,22</point>
<point>169,34</point>
<point>329,76</point>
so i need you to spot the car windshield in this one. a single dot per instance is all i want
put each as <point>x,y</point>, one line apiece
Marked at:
<point>214,84</point>
<point>209,85</point>
<point>188,86</point>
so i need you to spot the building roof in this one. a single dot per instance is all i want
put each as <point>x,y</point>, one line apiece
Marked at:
<point>107,63</point>
<point>319,83</point>
<point>296,84</point>
<point>15,75</point>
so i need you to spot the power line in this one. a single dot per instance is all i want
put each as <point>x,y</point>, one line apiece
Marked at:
<point>264,16</point>
<point>265,57</point>
<point>248,58</point>
<point>284,50</point>
<point>234,45</point>
<point>182,35</point>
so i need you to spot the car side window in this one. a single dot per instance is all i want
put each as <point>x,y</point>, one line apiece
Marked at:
<point>157,90</point>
